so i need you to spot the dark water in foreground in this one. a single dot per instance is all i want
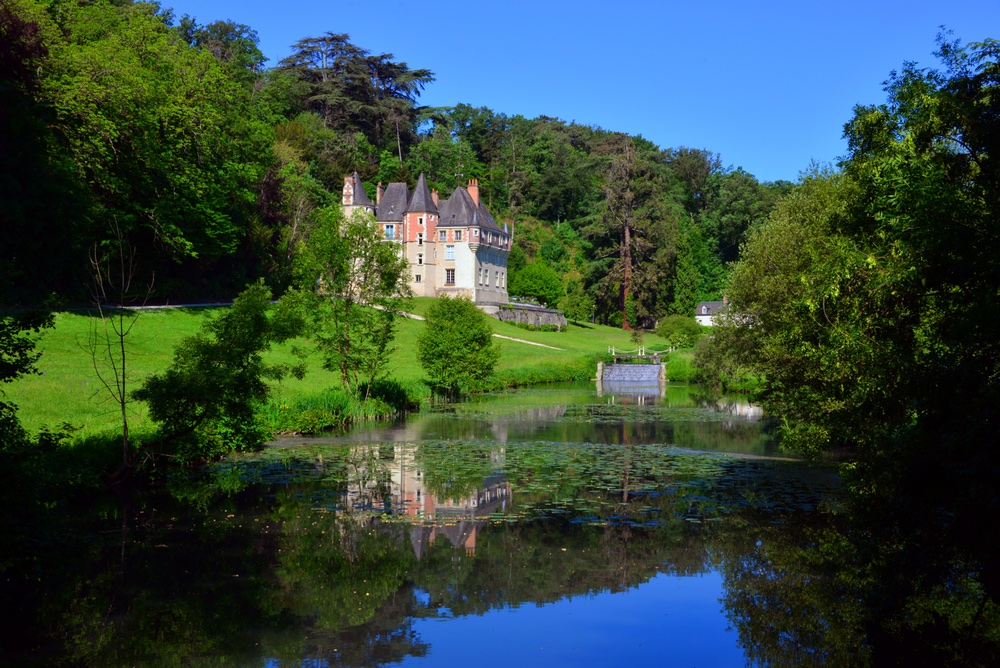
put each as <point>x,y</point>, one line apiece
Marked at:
<point>546,527</point>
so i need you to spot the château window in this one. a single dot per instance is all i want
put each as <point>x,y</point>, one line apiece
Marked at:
<point>443,235</point>
<point>416,278</point>
<point>420,238</point>
<point>420,221</point>
<point>458,235</point>
<point>449,252</point>
<point>449,277</point>
<point>475,234</point>
<point>420,258</point>
<point>390,231</point>
<point>496,279</point>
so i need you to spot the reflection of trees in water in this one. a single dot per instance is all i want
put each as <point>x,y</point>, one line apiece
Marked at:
<point>283,562</point>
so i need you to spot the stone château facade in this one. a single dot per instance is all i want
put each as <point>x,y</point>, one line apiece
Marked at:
<point>454,247</point>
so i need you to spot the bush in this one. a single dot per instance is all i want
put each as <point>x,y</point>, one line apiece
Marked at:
<point>402,397</point>
<point>456,348</point>
<point>538,328</point>
<point>207,401</point>
<point>538,281</point>
<point>679,331</point>
<point>336,408</point>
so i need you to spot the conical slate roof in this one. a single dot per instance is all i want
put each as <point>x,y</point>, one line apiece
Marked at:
<point>460,210</point>
<point>393,204</point>
<point>360,196</point>
<point>422,202</point>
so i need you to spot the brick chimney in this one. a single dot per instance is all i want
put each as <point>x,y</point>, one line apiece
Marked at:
<point>435,197</point>
<point>474,190</point>
<point>379,190</point>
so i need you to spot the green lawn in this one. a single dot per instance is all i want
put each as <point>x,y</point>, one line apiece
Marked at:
<point>68,390</point>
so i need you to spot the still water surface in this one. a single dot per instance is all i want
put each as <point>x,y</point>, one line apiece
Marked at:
<point>544,527</point>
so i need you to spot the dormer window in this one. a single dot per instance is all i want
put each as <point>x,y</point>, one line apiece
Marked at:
<point>704,310</point>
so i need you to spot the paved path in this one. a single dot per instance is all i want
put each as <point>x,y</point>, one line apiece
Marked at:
<point>414,316</point>
<point>530,343</point>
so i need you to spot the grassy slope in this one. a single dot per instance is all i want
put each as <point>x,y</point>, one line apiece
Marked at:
<point>68,390</point>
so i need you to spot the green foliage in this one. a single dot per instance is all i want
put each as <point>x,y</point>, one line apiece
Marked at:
<point>679,331</point>
<point>445,162</point>
<point>635,233</point>
<point>18,334</point>
<point>162,133</point>
<point>353,285</point>
<point>206,402</point>
<point>794,271</point>
<point>737,203</point>
<point>537,281</point>
<point>577,304</point>
<point>334,408</point>
<point>699,272</point>
<point>353,90</point>
<point>456,348</point>
<point>866,305</point>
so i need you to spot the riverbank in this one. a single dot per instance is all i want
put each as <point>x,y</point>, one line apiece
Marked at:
<point>68,390</point>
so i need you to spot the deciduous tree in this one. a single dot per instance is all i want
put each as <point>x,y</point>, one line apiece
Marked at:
<point>354,283</point>
<point>456,348</point>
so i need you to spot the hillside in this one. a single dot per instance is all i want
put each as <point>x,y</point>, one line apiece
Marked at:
<point>67,388</point>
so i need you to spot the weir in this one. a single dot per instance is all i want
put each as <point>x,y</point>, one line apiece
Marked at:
<point>643,377</point>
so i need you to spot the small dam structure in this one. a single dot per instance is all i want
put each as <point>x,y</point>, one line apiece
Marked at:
<point>635,373</point>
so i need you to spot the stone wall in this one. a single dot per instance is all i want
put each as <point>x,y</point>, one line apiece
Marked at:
<point>528,314</point>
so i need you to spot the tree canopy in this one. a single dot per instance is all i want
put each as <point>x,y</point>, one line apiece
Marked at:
<point>456,347</point>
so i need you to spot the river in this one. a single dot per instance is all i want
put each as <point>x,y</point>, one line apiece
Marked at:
<point>553,526</point>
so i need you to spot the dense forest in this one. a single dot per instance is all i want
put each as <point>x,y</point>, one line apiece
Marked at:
<point>121,119</point>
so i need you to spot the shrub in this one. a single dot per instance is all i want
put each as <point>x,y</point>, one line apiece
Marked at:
<point>456,348</point>
<point>679,331</point>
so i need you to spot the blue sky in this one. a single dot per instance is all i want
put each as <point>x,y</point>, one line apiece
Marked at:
<point>767,84</point>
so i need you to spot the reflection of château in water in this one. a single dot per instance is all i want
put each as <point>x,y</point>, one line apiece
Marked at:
<point>432,516</point>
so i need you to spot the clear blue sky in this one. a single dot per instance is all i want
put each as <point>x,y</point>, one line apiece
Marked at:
<point>767,84</point>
